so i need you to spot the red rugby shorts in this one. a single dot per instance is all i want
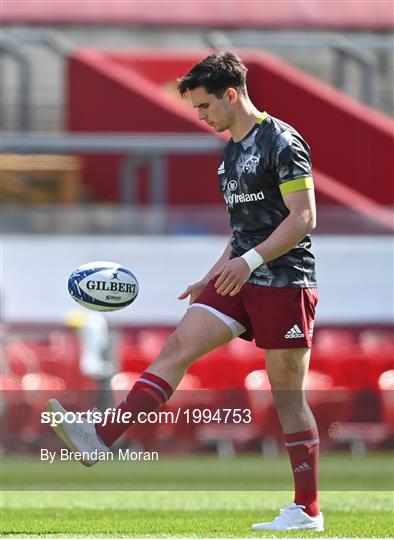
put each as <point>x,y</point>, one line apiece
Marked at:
<point>275,317</point>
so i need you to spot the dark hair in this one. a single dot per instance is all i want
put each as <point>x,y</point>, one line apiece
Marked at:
<point>216,73</point>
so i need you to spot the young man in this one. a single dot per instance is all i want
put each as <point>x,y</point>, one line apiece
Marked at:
<point>262,287</point>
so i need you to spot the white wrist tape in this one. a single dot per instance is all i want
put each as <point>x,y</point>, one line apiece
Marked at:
<point>253,259</point>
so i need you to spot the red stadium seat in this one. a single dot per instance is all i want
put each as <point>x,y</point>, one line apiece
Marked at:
<point>39,387</point>
<point>330,340</point>
<point>20,358</point>
<point>372,340</point>
<point>131,357</point>
<point>121,384</point>
<point>221,369</point>
<point>9,384</point>
<point>151,342</point>
<point>57,354</point>
<point>386,386</point>
<point>15,412</point>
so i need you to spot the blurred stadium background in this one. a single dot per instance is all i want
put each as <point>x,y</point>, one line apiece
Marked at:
<point>101,160</point>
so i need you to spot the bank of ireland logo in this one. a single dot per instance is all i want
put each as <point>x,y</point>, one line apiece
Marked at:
<point>250,164</point>
<point>232,185</point>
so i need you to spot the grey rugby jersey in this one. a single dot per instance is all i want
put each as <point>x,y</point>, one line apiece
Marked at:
<point>269,162</point>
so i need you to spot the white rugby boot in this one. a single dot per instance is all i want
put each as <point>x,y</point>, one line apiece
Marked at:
<point>78,437</point>
<point>292,518</point>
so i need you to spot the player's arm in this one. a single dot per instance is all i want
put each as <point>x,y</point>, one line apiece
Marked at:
<point>294,176</point>
<point>195,289</point>
<point>300,222</point>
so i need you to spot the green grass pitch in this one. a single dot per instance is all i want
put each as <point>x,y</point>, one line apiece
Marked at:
<point>193,513</point>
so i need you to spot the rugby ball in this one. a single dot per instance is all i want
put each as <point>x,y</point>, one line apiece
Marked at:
<point>103,286</point>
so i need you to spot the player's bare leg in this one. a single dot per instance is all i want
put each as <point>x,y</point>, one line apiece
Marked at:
<point>287,370</point>
<point>199,332</point>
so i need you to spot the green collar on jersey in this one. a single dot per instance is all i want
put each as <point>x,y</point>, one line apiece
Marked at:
<point>261,119</point>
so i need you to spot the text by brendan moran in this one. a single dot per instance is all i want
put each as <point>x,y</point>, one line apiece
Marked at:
<point>95,455</point>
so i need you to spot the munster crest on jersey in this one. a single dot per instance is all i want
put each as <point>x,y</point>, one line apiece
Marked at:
<point>250,164</point>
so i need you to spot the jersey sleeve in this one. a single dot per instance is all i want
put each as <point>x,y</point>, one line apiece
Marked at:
<point>292,164</point>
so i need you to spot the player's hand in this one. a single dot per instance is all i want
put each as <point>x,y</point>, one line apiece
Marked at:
<point>230,279</point>
<point>194,290</point>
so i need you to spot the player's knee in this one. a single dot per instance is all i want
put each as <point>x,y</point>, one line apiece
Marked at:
<point>287,370</point>
<point>284,381</point>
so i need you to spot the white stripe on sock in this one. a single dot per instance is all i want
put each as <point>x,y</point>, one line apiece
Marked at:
<point>311,441</point>
<point>146,381</point>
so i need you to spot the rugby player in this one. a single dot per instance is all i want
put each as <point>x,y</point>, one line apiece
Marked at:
<point>263,287</point>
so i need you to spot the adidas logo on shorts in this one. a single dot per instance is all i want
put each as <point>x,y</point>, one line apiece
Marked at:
<point>302,468</point>
<point>294,332</point>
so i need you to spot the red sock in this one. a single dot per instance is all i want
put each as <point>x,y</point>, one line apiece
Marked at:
<point>148,394</point>
<point>303,449</point>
